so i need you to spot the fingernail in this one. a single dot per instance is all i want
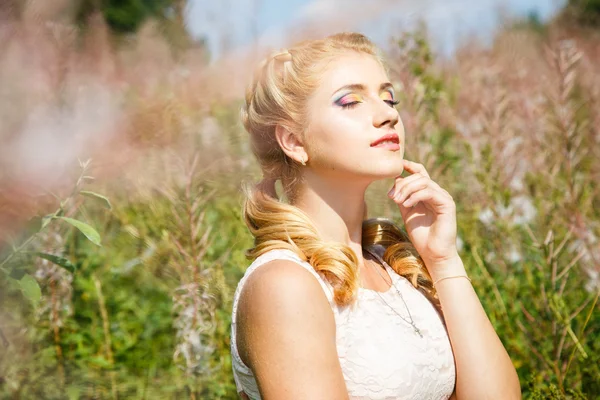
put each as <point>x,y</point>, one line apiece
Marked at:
<point>391,191</point>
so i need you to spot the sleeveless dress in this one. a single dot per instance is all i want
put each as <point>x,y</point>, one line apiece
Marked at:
<point>381,356</point>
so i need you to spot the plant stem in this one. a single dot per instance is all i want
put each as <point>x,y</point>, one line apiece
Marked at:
<point>56,332</point>
<point>107,338</point>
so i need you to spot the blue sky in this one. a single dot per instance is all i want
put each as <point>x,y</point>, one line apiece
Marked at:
<point>229,24</point>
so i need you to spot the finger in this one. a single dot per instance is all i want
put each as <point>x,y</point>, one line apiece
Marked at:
<point>436,186</point>
<point>406,190</point>
<point>429,195</point>
<point>401,182</point>
<point>399,187</point>
<point>414,168</point>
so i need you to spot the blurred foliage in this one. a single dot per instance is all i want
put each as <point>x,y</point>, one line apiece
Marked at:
<point>119,320</point>
<point>585,11</point>
<point>126,16</point>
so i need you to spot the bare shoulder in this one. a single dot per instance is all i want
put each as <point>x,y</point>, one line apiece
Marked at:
<point>288,282</point>
<point>283,293</point>
<point>286,334</point>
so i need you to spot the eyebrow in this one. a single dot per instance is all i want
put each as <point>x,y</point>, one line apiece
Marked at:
<point>361,87</point>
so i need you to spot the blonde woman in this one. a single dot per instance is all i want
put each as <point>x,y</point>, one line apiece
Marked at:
<point>336,306</point>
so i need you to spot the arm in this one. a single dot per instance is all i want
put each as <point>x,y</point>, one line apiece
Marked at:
<point>483,367</point>
<point>286,334</point>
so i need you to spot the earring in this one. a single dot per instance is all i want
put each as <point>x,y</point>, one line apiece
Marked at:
<point>302,161</point>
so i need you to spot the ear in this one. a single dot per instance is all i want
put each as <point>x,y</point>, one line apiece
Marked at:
<point>291,144</point>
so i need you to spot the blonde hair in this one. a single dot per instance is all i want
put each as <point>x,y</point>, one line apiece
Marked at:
<point>277,96</point>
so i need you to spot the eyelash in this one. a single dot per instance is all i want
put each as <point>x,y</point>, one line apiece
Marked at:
<point>392,103</point>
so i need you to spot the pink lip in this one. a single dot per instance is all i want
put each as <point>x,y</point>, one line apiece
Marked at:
<point>393,137</point>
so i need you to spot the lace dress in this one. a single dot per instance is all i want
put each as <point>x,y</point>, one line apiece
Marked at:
<point>381,356</point>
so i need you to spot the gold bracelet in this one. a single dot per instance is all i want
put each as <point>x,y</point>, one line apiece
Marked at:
<point>448,277</point>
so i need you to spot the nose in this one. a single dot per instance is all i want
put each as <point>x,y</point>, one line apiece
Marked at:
<point>384,114</point>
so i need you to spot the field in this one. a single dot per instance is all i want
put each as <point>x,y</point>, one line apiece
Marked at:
<point>121,163</point>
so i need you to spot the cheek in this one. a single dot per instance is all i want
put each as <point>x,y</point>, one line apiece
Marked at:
<point>339,146</point>
<point>336,131</point>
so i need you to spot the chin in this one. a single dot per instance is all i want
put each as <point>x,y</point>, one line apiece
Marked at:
<point>391,169</point>
<point>375,169</point>
<point>388,171</point>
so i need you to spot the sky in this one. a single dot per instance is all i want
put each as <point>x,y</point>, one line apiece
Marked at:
<point>230,24</point>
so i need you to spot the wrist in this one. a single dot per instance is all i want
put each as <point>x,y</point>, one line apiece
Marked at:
<point>452,266</point>
<point>452,256</point>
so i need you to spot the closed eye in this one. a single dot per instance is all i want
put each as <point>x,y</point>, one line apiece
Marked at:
<point>350,105</point>
<point>349,100</point>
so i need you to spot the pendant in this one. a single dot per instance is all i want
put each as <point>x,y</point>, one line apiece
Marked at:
<point>418,331</point>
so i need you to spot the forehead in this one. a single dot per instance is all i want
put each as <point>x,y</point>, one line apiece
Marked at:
<point>351,68</point>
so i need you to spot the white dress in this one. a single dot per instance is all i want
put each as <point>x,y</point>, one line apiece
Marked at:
<point>381,356</point>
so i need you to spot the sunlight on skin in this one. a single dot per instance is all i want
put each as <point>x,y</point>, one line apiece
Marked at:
<point>343,122</point>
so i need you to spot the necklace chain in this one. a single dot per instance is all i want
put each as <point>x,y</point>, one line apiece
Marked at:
<point>411,321</point>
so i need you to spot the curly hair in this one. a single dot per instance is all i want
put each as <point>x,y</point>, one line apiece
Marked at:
<point>278,95</point>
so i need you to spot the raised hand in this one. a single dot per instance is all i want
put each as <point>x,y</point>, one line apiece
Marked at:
<point>429,214</point>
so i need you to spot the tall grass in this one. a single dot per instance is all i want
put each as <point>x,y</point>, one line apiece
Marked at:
<point>511,131</point>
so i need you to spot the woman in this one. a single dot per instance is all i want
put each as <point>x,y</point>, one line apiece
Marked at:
<point>335,306</point>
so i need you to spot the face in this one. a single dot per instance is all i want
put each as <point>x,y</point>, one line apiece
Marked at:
<point>352,108</point>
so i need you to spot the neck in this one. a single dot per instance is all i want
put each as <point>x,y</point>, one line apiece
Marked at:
<point>336,207</point>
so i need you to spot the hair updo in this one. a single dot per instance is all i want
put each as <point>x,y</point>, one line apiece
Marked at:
<point>278,95</point>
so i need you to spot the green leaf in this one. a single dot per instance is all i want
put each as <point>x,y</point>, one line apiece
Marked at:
<point>87,230</point>
<point>18,271</point>
<point>95,195</point>
<point>31,289</point>
<point>61,261</point>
